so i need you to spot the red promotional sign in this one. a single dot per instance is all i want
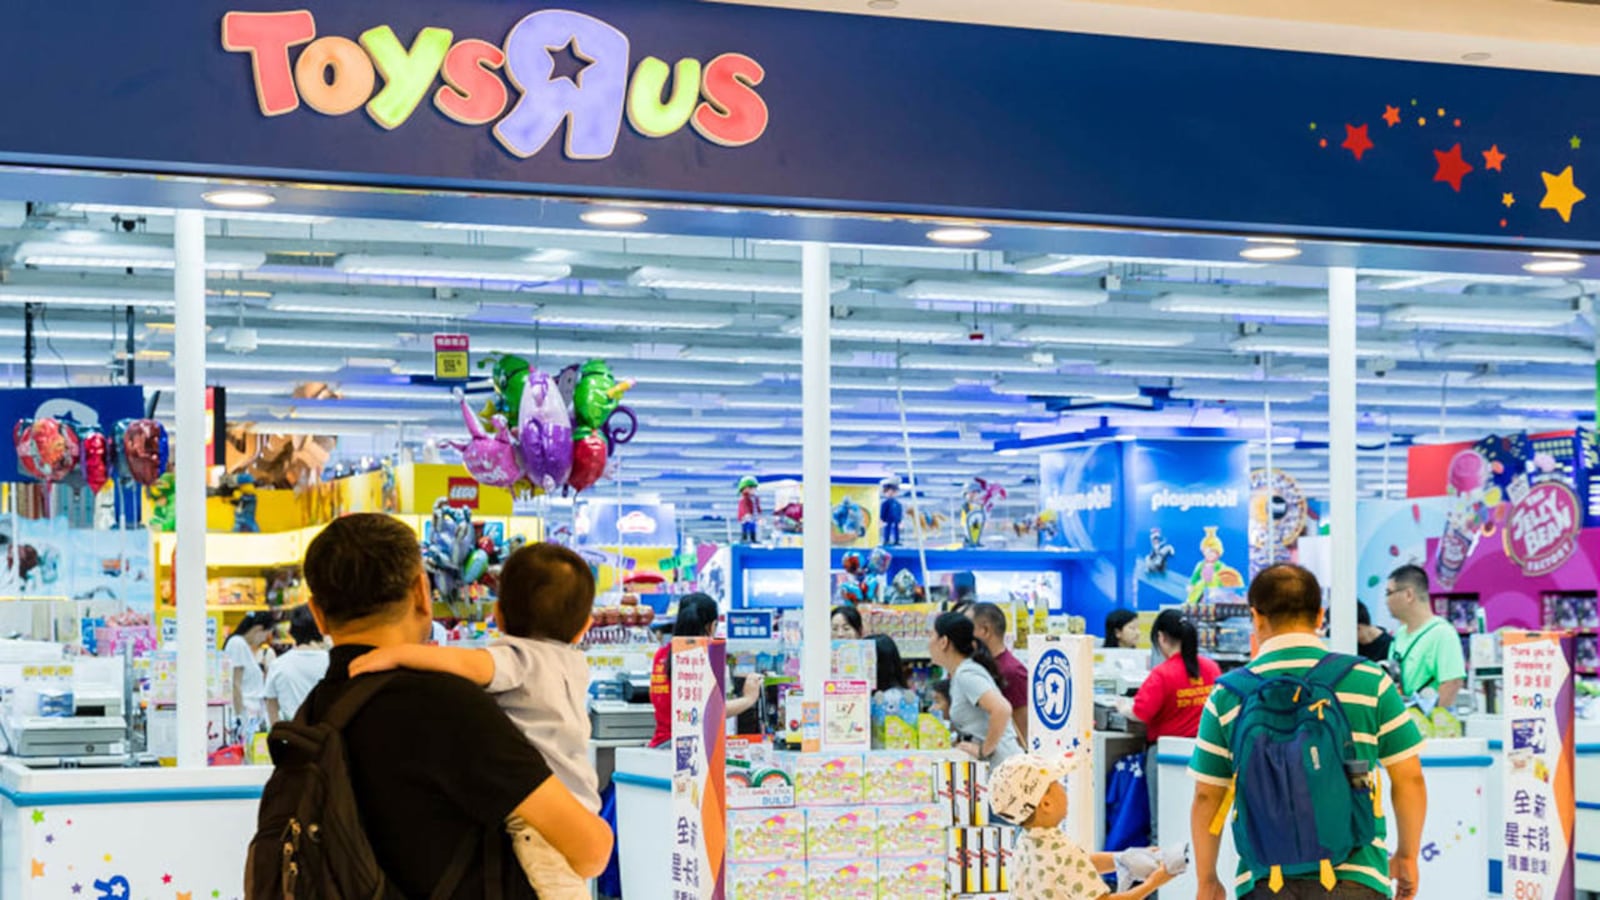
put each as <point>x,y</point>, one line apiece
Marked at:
<point>462,493</point>
<point>1541,531</point>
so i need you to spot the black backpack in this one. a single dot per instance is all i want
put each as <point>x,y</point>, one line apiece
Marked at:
<point>310,843</point>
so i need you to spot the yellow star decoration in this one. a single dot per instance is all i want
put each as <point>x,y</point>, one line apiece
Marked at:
<point>1560,194</point>
<point>38,869</point>
<point>1509,200</point>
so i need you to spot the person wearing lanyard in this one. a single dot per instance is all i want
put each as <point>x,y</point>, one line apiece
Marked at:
<point>1426,649</point>
<point>1170,701</point>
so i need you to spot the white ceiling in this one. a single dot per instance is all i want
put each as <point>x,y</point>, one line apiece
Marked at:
<point>1546,35</point>
<point>981,349</point>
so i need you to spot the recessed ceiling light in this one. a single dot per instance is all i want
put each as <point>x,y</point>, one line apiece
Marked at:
<point>1270,249</point>
<point>1476,56</point>
<point>239,198</point>
<point>959,234</point>
<point>883,4</point>
<point>614,218</point>
<point>1554,264</point>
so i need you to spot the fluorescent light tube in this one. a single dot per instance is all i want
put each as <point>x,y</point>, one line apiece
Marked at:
<point>1160,369</point>
<point>1235,391</point>
<point>889,331</point>
<point>394,307</point>
<point>1103,336</point>
<point>1051,264</point>
<point>1297,345</point>
<point>445,267</point>
<point>252,363</point>
<point>109,255</point>
<point>886,384</point>
<point>633,318</point>
<point>1518,352</point>
<point>1516,315</point>
<point>728,422</point>
<point>945,362</point>
<point>670,278</point>
<point>87,297</point>
<point>1532,382</point>
<point>1307,309</point>
<point>1002,291</point>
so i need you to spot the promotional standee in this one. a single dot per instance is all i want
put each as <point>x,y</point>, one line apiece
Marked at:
<point>1061,720</point>
<point>1538,800</point>
<point>699,749</point>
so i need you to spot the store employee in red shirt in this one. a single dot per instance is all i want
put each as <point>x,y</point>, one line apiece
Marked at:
<point>697,617</point>
<point>1171,700</point>
<point>989,626</point>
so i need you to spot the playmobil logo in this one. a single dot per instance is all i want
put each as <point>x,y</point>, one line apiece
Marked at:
<point>1096,498</point>
<point>462,493</point>
<point>1185,501</point>
<point>555,68</point>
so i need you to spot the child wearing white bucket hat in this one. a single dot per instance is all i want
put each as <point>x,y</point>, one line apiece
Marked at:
<point>1027,791</point>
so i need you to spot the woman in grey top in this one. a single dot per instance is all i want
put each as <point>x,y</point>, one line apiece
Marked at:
<point>979,713</point>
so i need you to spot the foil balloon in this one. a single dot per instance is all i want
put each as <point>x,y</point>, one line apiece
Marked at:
<point>597,395</point>
<point>510,376</point>
<point>588,461</point>
<point>96,459</point>
<point>141,446</point>
<point>47,449</point>
<point>490,458</point>
<point>544,431</point>
<point>475,567</point>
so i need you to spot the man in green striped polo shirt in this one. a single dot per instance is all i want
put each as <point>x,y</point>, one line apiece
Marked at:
<point>1286,606</point>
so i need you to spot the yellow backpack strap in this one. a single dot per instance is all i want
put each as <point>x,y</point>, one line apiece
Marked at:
<point>1329,880</point>
<point>1275,880</point>
<point>1377,794</point>
<point>1221,818</point>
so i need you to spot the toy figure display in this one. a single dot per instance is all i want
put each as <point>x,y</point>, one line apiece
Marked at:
<point>849,521</point>
<point>749,509</point>
<point>163,513</point>
<point>864,580</point>
<point>789,518</point>
<point>1211,573</point>
<point>904,588</point>
<point>1161,553</point>
<point>977,502</point>
<point>891,512</point>
<point>240,490</point>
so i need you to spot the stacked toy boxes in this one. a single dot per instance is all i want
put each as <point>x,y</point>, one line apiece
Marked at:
<point>978,852</point>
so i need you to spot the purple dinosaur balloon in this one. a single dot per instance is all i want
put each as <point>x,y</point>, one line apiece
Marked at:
<point>544,431</point>
<point>490,458</point>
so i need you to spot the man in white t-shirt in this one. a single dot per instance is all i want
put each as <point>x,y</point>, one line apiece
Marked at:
<point>295,673</point>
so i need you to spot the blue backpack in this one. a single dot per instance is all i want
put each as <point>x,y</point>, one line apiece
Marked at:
<point>1305,801</point>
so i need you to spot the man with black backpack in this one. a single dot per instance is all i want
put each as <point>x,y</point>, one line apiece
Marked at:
<point>398,786</point>
<point>1296,743</point>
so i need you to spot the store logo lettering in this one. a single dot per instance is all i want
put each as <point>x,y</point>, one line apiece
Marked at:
<point>566,67</point>
<point>1097,497</point>
<point>1185,501</point>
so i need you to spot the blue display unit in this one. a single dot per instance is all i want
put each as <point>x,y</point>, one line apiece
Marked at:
<point>1071,564</point>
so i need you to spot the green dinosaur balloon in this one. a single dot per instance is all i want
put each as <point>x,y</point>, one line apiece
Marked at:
<point>598,394</point>
<point>510,376</point>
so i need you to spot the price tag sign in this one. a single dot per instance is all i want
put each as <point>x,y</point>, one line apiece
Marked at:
<point>450,352</point>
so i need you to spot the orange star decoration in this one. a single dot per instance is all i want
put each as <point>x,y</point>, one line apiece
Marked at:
<point>185,895</point>
<point>1452,168</point>
<point>1560,194</point>
<point>38,869</point>
<point>1493,159</point>
<point>1509,200</point>
<point>1356,140</point>
<point>1391,114</point>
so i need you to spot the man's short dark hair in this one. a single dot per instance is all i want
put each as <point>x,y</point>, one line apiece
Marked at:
<point>546,591</point>
<point>362,566</point>
<point>1413,577</point>
<point>991,616</point>
<point>303,627</point>
<point>1286,595</point>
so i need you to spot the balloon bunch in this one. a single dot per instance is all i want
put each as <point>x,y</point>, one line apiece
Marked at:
<point>455,557</point>
<point>550,434</point>
<point>48,449</point>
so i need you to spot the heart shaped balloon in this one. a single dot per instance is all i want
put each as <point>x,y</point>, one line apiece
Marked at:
<point>490,458</point>
<point>544,430</point>
<point>96,459</point>
<point>588,461</point>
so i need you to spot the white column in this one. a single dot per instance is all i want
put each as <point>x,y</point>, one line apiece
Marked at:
<point>816,358</point>
<point>188,453</point>
<point>1342,454</point>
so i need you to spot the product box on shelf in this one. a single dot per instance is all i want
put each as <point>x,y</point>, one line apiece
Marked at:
<point>894,720</point>
<point>913,832</point>
<point>842,880</point>
<point>841,834</point>
<point>963,788</point>
<point>912,879</point>
<point>828,779</point>
<point>766,836</point>
<point>757,778</point>
<point>236,591</point>
<point>767,881</point>
<point>979,860</point>
<point>899,778</point>
<point>932,733</point>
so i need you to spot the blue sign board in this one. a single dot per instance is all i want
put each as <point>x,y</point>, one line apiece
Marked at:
<point>1189,521</point>
<point>748,624</point>
<point>712,102</point>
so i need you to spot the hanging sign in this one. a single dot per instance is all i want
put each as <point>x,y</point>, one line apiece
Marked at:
<point>699,746</point>
<point>1538,790</point>
<point>748,624</point>
<point>450,352</point>
<point>1541,531</point>
<point>1061,716</point>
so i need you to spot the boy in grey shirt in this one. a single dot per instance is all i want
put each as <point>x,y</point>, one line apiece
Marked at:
<point>540,679</point>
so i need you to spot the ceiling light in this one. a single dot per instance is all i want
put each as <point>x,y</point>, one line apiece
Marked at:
<point>1237,392</point>
<point>86,297</point>
<point>768,357</point>
<point>1297,345</point>
<point>958,235</point>
<point>729,422</point>
<point>632,318</point>
<point>1532,382</point>
<point>1066,386</point>
<point>613,218</point>
<point>885,426</point>
<point>889,331</point>
<point>1164,369</point>
<point>344,340</point>
<point>1052,264</point>
<point>110,255</point>
<point>735,454</point>
<point>1270,250</point>
<point>511,270</point>
<point>673,278</point>
<point>1518,316</point>
<point>1002,291</point>
<point>253,363</point>
<point>1554,264</point>
<point>887,384</point>
<point>239,198</point>
<point>1309,309</point>
<point>949,362</point>
<point>1518,352</point>
<point>793,440</point>
<point>693,375</point>
<point>396,307</point>
<point>1101,336</point>
<point>674,438</point>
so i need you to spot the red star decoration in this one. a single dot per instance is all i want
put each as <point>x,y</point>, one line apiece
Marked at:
<point>1356,140</point>
<point>1502,223</point>
<point>1391,114</point>
<point>166,879</point>
<point>1493,158</point>
<point>1452,168</point>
